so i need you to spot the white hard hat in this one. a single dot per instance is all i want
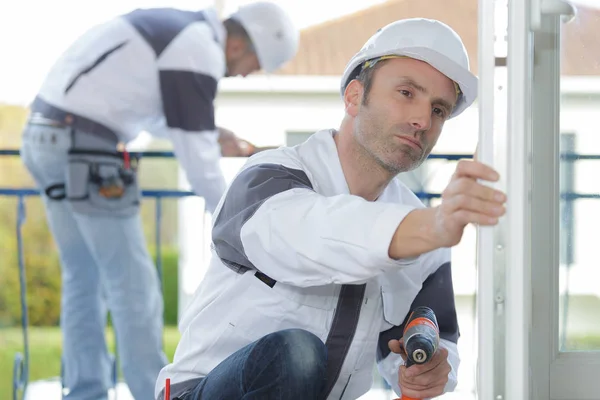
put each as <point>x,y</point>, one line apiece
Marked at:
<point>272,32</point>
<point>423,39</point>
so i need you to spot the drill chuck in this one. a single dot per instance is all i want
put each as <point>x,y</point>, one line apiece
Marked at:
<point>420,349</point>
<point>421,336</point>
<point>420,355</point>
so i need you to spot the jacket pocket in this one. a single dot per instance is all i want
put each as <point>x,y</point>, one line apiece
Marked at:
<point>398,292</point>
<point>393,311</point>
<point>399,288</point>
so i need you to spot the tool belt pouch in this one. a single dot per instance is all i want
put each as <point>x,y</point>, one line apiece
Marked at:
<point>99,184</point>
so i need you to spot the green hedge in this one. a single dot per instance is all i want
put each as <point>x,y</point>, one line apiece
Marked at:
<point>169,262</point>
<point>43,290</point>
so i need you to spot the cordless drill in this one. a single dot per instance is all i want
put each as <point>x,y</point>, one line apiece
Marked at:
<point>421,337</point>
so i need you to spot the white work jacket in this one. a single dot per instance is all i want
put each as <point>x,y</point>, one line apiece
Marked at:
<point>154,70</point>
<point>288,214</point>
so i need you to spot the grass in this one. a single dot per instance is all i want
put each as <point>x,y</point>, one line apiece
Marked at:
<point>583,343</point>
<point>45,352</point>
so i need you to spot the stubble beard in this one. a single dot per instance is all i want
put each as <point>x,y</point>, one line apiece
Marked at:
<point>392,157</point>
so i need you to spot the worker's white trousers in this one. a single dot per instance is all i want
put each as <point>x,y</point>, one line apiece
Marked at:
<point>105,264</point>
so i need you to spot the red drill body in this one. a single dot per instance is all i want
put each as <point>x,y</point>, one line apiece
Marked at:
<point>421,337</point>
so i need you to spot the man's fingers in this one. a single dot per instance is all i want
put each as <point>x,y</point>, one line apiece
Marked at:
<point>419,385</point>
<point>423,394</point>
<point>471,187</point>
<point>471,202</point>
<point>426,385</point>
<point>395,346</point>
<point>433,377</point>
<point>476,170</point>
<point>471,205</point>
<point>469,217</point>
<point>427,380</point>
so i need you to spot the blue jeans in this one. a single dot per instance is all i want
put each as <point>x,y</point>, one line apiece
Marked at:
<point>288,364</point>
<point>105,264</point>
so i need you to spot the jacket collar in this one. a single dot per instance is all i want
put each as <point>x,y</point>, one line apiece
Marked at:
<point>213,20</point>
<point>326,167</point>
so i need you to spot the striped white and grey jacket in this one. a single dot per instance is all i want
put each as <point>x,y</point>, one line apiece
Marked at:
<point>289,214</point>
<point>154,70</point>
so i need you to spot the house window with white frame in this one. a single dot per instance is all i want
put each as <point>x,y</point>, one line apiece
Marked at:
<point>292,138</point>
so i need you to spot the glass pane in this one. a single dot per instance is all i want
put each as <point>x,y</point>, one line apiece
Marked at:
<point>294,138</point>
<point>580,187</point>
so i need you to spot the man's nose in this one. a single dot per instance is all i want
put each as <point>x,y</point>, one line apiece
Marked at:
<point>421,119</point>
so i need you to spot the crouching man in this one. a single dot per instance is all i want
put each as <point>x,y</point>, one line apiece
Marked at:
<point>319,253</point>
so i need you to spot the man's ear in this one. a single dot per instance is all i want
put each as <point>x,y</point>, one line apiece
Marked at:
<point>235,47</point>
<point>352,97</point>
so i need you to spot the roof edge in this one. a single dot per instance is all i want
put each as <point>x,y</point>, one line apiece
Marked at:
<point>302,84</point>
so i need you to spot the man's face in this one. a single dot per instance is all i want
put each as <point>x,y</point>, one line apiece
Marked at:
<point>400,120</point>
<point>240,59</point>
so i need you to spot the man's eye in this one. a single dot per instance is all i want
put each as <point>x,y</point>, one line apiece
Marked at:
<point>440,112</point>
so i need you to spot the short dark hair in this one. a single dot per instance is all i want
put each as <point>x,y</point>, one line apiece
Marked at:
<point>365,76</point>
<point>235,28</point>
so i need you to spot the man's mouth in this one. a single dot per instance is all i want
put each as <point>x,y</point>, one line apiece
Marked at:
<point>412,141</point>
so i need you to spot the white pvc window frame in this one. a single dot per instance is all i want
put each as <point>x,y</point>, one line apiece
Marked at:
<point>518,230</point>
<point>518,317</point>
<point>556,375</point>
<point>490,246</point>
<point>504,289</point>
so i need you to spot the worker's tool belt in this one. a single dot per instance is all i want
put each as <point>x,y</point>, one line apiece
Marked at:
<point>98,183</point>
<point>99,180</point>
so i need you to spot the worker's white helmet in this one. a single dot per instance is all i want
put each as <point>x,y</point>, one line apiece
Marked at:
<point>423,39</point>
<point>273,34</point>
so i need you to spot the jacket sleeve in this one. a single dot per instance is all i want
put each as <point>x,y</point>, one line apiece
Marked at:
<point>199,155</point>
<point>436,293</point>
<point>189,71</point>
<point>272,220</point>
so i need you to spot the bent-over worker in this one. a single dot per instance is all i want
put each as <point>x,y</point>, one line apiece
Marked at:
<point>155,70</point>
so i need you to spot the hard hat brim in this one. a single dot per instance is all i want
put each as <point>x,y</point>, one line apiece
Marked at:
<point>467,82</point>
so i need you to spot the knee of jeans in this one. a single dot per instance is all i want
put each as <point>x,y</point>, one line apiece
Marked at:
<point>303,353</point>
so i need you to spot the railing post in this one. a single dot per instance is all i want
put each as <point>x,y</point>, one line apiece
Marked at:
<point>21,363</point>
<point>157,241</point>
<point>157,245</point>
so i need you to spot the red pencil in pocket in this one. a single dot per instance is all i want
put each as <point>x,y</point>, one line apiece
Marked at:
<point>168,389</point>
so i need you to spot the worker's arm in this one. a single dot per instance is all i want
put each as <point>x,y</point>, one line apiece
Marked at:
<point>199,155</point>
<point>272,220</point>
<point>436,293</point>
<point>233,146</point>
<point>189,71</point>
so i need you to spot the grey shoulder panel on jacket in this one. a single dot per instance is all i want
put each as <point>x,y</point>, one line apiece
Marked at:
<point>159,26</point>
<point>248,191</point>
